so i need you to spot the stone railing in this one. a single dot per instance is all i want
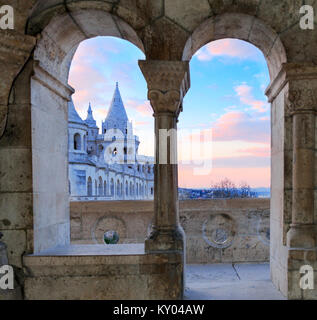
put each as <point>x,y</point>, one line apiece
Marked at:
<point>217,231</point>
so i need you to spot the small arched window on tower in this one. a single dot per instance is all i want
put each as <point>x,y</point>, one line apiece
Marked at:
<point>77,141</point>
<point>112,187</point>
<point>100,149</point>
<point>118,189</point>
<point>85,143</point>
<point>125,150</point>
<point>131,191</point>
<point>89,187</point>
<point>105,188</point>
<point>114,152</point>
<point>100,187</point>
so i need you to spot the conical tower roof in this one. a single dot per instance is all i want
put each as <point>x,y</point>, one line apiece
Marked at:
<point>73,116</point>
<point>90,121</point>
<point>117,111</point>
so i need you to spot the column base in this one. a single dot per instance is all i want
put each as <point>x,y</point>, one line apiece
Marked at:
<point>301,236</point>
<point>162,240</point>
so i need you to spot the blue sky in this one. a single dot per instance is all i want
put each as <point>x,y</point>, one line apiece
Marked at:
<point>226,99</point>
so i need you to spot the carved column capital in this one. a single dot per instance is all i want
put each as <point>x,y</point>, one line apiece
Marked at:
<point>302,100</point>
<point>168,83</point>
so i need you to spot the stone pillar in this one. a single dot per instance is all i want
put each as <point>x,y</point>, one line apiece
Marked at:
<point>294,177</point>
<point>301,103</point>
<point>168,82</point>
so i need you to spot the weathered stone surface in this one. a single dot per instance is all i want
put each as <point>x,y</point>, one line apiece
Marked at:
<point>243,6</point>
<point>161,45</point>
<point>16,245</point>
<point>280,15</point>
<point>19,215</point>
<point>146,276</point>
<point>139,13</point>
<point>192,12</point>
<point>132,220</point>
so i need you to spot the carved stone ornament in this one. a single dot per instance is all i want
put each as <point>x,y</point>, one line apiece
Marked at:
<point>168,83</point>
<point>300,100</point>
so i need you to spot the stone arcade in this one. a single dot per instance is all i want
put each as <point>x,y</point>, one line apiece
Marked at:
<point>34,94</point>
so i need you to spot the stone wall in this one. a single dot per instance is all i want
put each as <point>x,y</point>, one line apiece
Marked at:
<point>217,231</point>
<point>94,274</point>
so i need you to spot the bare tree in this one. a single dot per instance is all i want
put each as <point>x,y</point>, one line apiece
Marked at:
<point>227,189</point>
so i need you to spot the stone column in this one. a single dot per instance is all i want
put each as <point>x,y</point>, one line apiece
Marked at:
<point>301,104</point>
<point>168,82</point>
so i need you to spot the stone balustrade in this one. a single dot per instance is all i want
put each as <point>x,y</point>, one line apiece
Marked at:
<point>217,231</point>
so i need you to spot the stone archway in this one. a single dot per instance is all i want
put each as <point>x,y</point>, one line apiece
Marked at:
<point>292,216</point>
<point>48,94</point>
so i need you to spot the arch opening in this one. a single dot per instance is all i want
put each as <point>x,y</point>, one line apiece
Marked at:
<point>242,27</point>
<point>241,145</point>
<point>50,96</point>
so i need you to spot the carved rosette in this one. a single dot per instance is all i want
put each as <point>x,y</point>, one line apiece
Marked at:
<point>300,101</point>
<point>168,83</point>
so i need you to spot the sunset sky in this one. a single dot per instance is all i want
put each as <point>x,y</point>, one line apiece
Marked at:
<point>225,109</point>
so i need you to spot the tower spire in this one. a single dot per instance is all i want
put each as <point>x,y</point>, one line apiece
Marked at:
<point>90,118</point>
<point>117,117</point>
<point>117,111</point>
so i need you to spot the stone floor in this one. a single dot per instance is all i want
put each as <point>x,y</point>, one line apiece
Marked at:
<point>241,281</point>
<point>230,282</point>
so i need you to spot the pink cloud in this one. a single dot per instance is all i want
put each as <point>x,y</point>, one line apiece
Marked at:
<point>237,125</point>
<point>255,177</point>
<point>228,47</point>
<point>233,126</point>
<point>244,92</point>
<point>257,151</point>
<point>86,80</point>
<point>143,108</point>
<point>141,123</point>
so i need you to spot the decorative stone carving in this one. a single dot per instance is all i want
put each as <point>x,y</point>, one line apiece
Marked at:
<point>301,104</point>
<point>300,100</point>
<point>168,82</point>
<point>105,224</point>
<point>219,230</point>
<point>263,229</point>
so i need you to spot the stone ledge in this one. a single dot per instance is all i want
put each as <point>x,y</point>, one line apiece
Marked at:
<point>103,274</point>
